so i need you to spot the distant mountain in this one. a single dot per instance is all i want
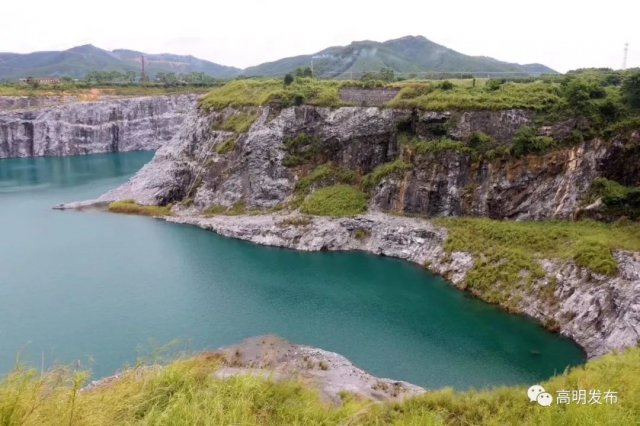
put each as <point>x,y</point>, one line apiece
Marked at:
<point>411,54</point>
<point>78,61</point>
<point>406,55</point>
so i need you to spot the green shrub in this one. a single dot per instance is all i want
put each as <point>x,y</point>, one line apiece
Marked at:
<point>324,175</point>
<point>631,90</point>
<point>494,84</point>
<point>446,85</point>
<point>337,200</point>
<point>619,200</point>
<point>372,180</point>
<point>526,141</point>
<point>300,149</point>
<point>288,79</point>
<point>481,142</point>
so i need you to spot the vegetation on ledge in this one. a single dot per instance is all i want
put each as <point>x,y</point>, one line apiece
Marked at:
<point>618,199</point>
<point>187,392</point>
<point>337,200</point>
<point>131,207</point>
<point>238,123</point>
<point>502,250</point>
<point>302,90</point>
<point>372,180</point>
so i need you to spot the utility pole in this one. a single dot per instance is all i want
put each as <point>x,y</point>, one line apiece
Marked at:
<point>624,58</point>
<point>143,76</point>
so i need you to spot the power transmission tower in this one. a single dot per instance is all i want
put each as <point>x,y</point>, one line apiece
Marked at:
<point>624,58</point>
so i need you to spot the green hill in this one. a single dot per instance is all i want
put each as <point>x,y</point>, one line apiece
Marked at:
<point>78,61</point>
<point>406,55</point>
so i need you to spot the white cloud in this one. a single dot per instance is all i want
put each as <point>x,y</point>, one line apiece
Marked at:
<point>563,35</point>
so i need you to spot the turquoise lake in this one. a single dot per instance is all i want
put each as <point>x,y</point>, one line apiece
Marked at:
<point>103,288</point>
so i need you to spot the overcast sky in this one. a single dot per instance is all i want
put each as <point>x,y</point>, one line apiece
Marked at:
<point>562,35</point>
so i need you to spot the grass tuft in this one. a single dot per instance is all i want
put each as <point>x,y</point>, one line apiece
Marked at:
<point>337,200</point>
<point>131,207</point>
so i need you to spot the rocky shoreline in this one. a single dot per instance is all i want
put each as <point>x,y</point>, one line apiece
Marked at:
<point>274,358</point>
<point>599,313</point>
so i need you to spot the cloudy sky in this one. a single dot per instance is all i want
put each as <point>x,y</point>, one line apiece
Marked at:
<point>562,35</point>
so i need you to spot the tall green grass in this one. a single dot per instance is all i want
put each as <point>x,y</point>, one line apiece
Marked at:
<point>336,200</point>
<point>187,392</point>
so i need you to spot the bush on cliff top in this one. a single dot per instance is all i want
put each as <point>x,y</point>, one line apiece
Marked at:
<point>337,200</point>
<point>187,392</point>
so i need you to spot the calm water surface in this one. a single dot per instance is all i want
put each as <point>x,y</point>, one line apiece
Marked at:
<point>97,287</point>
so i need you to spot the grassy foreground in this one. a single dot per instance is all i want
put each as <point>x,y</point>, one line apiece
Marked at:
<point>186,392</point>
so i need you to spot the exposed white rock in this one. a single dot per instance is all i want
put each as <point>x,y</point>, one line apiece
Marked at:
<point>113,125</point>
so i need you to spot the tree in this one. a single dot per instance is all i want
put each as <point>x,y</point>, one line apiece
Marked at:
<point>288,79</point>
<point>304,72</point>
<point>579,91</point>
<point>631,90</point>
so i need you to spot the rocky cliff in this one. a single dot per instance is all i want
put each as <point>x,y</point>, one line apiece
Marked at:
<point>126,124</point>
<point>435,182</point>
<point>206,170</point>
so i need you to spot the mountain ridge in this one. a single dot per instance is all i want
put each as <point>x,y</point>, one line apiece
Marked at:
<point>407,56</point>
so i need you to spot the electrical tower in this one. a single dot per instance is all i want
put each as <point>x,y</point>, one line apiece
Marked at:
<point>624,58</point>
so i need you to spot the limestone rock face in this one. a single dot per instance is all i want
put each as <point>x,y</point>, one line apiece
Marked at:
<point>254,171</point>
<point>113,125</point>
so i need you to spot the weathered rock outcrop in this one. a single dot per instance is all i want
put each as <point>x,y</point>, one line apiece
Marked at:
<point>273,358</point>
<point>126,124</point>
<point>441,183</point>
